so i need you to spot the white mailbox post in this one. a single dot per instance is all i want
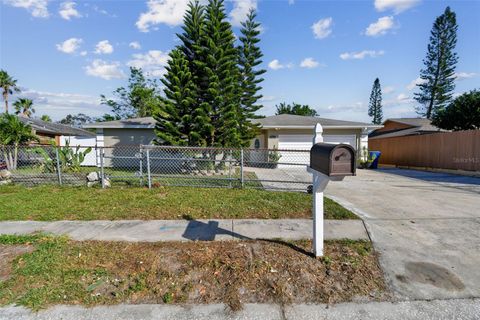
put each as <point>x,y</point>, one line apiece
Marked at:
<point>341,162</point>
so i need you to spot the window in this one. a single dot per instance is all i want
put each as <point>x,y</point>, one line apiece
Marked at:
<point>257,144</point>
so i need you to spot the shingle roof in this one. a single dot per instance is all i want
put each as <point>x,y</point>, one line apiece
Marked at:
<point>417,126</point>
<point>294,121</point>
<point>55,128</point>
<point>280,121</point>
<point>136,123</point>
<point>423,123</point>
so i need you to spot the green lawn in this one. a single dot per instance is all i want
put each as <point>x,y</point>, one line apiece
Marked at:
<point>50,202</point>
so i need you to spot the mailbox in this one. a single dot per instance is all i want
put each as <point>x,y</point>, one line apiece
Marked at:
<point>333,159</point>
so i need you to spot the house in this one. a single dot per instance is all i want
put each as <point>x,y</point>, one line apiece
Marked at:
<point>398,127</point>
<point>49,132</point>
<point>282,132</point>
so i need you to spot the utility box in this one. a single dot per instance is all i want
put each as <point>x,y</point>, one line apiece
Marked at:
<point>333,160</point>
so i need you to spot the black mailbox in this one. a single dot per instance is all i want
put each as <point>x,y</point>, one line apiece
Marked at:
<point>333,159</point>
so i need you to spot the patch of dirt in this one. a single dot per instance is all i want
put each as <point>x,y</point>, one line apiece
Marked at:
<point>233,272</point>
<point>8,253</point>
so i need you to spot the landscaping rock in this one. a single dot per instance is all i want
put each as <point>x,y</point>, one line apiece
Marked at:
<point>5,182</point>
<point>93,176</point>
<point>5,175</point>
<point>107,183</point>
<point>92,183</point>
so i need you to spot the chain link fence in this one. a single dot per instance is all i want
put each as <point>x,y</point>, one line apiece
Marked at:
<point>155,166</point>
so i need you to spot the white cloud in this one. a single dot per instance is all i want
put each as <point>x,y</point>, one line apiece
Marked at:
<point>69,46</point>
<point>103,47</point>
<point>361,54</point>
<point>402,97</point>
<point>388,89</point>
<point>153,62</point>
<point>83,53</point>
<point>68,10</point>
<point>135,45</point>
<point>464,75</point>
<point>169,12</point>
<point>413,84</point>
<point>105,70</point>
<point>380,27</point>
<point>276,65</point>
<point>37,8</point>
<point>309,63</point>
<point>397,6</point>
<point>267,98</point>
<point>322,28</point>
<point>103,11</point>
<point>240,11</point>
<point>59,104</point>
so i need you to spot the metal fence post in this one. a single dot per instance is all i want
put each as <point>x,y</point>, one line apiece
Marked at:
<point>141,168</point>
<point>59,170</point>
<point>149,176</point>
<point>102,171</point>
<point>241,168</point>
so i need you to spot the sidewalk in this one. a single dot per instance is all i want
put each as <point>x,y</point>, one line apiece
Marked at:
<point>181,230</point>
<point>465,309</point>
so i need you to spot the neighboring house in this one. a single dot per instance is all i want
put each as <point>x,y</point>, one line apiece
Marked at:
<point>399,127</point>
<point>124,132</point>
<point>292,132</point>
<point>283,132</point>
<point>49,132</point>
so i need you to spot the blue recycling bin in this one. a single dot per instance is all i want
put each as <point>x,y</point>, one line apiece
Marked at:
<point>375,155</point>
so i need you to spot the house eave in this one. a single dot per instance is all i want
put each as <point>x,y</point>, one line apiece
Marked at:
<point>325,127</point>
<point>120,127</point>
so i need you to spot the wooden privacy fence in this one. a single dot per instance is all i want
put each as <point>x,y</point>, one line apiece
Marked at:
<point>445,150</point>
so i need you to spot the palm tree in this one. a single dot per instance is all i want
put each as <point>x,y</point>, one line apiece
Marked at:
<point>9,86</point>
<point>13,132</point>
<point>46,118</point>
<point>24,106</point>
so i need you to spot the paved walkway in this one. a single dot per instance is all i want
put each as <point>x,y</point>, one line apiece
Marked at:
<point>467,309</point>
<point>424,225</point>
<point>181,230</point>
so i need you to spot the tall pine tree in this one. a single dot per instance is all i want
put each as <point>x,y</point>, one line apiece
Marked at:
<point>438,80</point>
<point>375,105</point>
<point>214,104</point>
<point>222,96</point>
<point>193,40</point>
<point>250,57</point>
<point>175,125</point>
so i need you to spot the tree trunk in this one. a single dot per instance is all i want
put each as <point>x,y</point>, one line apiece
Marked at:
<point>15,156</point>
<point>5,97</point>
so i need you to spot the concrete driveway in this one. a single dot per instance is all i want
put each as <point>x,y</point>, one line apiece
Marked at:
<point>426,227</point>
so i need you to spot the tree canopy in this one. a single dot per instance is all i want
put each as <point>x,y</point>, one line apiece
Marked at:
<point>296,109</point>
<point>8,86</point>
<point>438,75</point>
<point>211,84</point>
<point>24,107</point>
<point>462,114</point>
<point>138,99</point>
<point>375,106</point>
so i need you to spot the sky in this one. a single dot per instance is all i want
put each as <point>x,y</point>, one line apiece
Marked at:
<point>326,54</point>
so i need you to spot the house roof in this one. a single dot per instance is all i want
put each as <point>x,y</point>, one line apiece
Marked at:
<point>285,121</point>
<point>416,126</point>
<point>54,128</point>
<point>422,123</point>
<point>135,123</point>
<point>290,121</point>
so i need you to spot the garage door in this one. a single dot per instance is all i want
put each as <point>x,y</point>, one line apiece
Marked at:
<point>304,142</point>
